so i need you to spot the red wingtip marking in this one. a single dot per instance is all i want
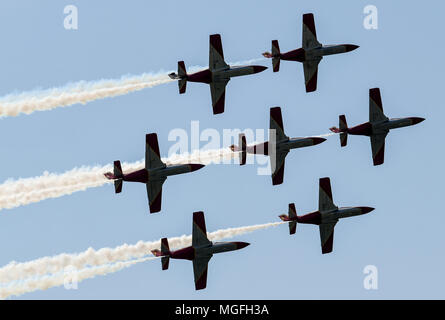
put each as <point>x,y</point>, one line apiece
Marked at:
<point>308,20</point>
<point>202,281</point>
<point>327,247</point>
<point>374,94</point>
<point>311,86</point>
<point>155,205</point>
<point>199,220</point>
<point>325,184</point>
<point>152,140</point>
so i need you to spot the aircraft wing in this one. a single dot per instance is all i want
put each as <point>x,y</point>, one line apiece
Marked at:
<point>278,173</point>
<point>375,106</point>
<point>325,201</point>
<point>309,34</point>
<point>152,157</point>
<point>276,123</point>
<point>199,232</point>
<point>154,193</point>
<point>327,236</point>
<point>218,92</point>
<point>378,148</point>
<point>200,266</point>
<point>216,55</point>
<point>310,68</point>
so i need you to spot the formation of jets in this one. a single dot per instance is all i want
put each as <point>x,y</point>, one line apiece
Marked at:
<point>217,76</point>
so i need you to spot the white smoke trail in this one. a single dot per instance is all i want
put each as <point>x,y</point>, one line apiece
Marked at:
<point>15,271</point>
<point>14,193</point>
<point>82,92</point>
<point>326,135</point>
<point>49,281</point>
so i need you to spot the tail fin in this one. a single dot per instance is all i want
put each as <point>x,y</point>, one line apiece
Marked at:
<point>242,145</point>
<point>182,74</point>
<point>275,56</point>
<point>117,172</point>
<point>343,126</point>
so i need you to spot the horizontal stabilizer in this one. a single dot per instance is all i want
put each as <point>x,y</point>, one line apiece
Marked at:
<point>165,249</point>
<point>343,139</point>
<point>118,185</point>
<point>182,85</point>
<point>275,56</point>
<point>165,261</point>
<point>243,149</point>
<point>182,76</point>
<point>292,215</point>
<point>117,169</point>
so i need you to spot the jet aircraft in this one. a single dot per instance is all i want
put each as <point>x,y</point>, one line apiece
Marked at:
<point>200,252</point>
<point>277,149</point>
<point>376,128</point>
<point>217,75</point>
<point>326,217</point>
<point>310,54</point>
<point>153,175</point>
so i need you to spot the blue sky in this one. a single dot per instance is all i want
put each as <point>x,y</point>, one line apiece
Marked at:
<point>402,237</point>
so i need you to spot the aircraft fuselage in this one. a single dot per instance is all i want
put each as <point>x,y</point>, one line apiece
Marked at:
<point>318,217</point>
<point>302,55</point>
<point>190,253</point>
<point>285,145</point>
<point>368,128</point>
<point>208,76</point>
<point>145,175</point>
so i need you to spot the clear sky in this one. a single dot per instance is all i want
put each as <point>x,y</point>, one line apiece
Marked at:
<point>402,237</point>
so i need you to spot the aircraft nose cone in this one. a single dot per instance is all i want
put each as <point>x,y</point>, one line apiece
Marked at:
<point>194,167</point>
<point>318,140</point>
<point>366,209</point>
<point>417,120</point>
<point>257,69</point>
<point>351,47</point>
<point>240,245</point>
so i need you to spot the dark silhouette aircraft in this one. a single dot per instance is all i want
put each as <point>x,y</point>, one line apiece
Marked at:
<point>217,75</point>
<point>376,128</point>
<point>153,175</point>
<point>326,217</point>
<point>277,149</point>
<point>310,54</point>
<point>200,252</point>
